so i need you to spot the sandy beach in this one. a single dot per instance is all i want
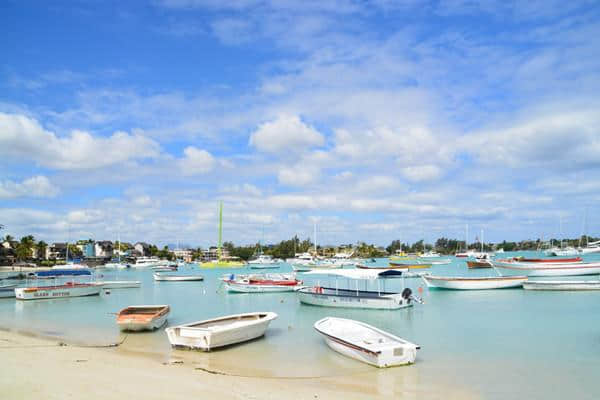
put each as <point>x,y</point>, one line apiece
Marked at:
<point>41,368</point>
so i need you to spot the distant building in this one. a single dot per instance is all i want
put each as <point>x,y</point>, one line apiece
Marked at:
<point>143,249</point>
<point>183,254</point>
<point>212,254</point>
<point>57,251</point>
<point>87,247</point>
<point>103,249</point>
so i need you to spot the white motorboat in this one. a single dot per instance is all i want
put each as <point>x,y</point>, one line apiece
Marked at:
<point>354,298</point>
<point>7,291</point>
<point>218,332</point>
<point>143,318</point>
<point>177,278</point>
<point>474,283</point>
<point>119,284</point>
<point>592,247</point>
<point>145,262</point>
<point>546,269</point>
<point>264,261</point>
<point>562,285</point>
<point>68,289</point>
<point>366,343</point>
<point>261,283</point>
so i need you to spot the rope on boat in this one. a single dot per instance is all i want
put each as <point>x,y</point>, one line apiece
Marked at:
<point>216,372</point>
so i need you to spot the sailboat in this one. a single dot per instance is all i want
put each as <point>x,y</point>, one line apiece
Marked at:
<point>222,261</point>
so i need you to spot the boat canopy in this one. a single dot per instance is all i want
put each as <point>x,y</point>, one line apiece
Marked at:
<point>359,273</point>
<point>63,272</point>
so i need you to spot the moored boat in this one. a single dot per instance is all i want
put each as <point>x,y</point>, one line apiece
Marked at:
<point>562,285</point>
<point>119,284</point>
<point>574,260</point>
<point>69,289</point>
<point>7,291</point>
<point>143,318</point>
<point>546,269</point>
<point>409,265</point>
<point>366,343</point>
<point>178,278</point>
<point>262,283</point>
<point>218,332</point>
<point>474,283</point>
<point>483,263</point>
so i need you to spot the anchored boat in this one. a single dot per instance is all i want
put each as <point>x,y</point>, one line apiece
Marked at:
<point>474,283</point>
<point>178,278</point>
<point>143,318</point>
<point>562,285</point>
<point>68,289</point>
<point>262,283</point>
<point>366,343</point>
<point>546,269</point>
<point>218,332</point>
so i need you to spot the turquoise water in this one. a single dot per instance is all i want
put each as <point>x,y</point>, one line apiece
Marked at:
<point>489,344</point>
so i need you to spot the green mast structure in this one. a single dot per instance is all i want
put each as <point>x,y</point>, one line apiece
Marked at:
<point>220,230</point>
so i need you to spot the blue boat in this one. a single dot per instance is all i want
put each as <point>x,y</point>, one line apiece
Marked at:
<point>53,273</point>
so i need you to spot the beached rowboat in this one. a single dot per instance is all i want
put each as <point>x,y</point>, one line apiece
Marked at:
<point>143,318</point>
<point>474,283</point>
<point>218,332</point>
<point>69,289</point>
<point>366,343</point>
<point>562,285</point>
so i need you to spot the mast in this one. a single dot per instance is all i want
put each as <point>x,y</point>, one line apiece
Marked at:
<point>220,229</point>
<point>482,240</point>
<point>315,237</point>
<point>466,238</point>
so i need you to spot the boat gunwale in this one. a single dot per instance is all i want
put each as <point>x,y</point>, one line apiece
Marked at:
<point>379,295</point>
<point>475,279</point>
<point>262,317</point>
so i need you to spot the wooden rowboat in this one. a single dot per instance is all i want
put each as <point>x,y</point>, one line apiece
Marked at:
<point>479,264</point>
<point>143,318</point>
<point>366,343</point>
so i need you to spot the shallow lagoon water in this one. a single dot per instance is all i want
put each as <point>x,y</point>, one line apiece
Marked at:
<point>480,344</point>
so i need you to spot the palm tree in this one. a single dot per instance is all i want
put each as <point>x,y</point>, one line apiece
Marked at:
<point>41,249</point>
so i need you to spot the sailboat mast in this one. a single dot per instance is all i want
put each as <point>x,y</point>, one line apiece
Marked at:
<point>220,229</point>
<point>315,237</point>
<point>482,240</point>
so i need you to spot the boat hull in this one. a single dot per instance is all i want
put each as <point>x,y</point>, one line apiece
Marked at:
<point>133,326</point>
<point>263,266</point>
<point>253,288</point>
<point>166,278</point>
<point>54,292</point>
<point>349,299</point>
<point>474,283</point>
<point>186,336</point>
<point>119,284</point>
<point>562,285</point>
<point>396,352</point>
<point>506,269</point>
<point>137,322</point>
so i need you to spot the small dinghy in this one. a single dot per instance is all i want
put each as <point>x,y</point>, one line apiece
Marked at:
<point>178,278</point>
<point>474,283</point>
<point>218,332</point>
<point>142,318</point>
<point>562,285</point>
<point>119,284</point>
<point>366,343</point>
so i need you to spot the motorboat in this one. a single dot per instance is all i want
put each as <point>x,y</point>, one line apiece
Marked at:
<point>143,318</point>
<point>213,333</point>
<point>355,298</point>
<point>562,285</point>
<point>366,343</point>
<point>69,289</point>
<point>592,247</point>
<point>263,283</point>
<point>264,261</point>
<point>474,283</point>
<point>177,278</point>
<point>119,284</point>
<point>546,269</point>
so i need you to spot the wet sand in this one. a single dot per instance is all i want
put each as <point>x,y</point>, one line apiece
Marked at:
<point>41,368</point>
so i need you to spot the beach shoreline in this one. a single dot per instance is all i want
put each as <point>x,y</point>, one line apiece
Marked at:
<point>37,367</point>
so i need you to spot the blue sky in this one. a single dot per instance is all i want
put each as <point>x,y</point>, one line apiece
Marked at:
<point>377,120</point>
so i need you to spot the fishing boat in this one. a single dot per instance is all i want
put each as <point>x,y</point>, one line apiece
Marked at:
<point>562,285</point>
<point>479,263</point>
<point>265,283</point>
<point>218,332</point>
<point>366,343</point>
<point>177,278</point>
<point>355,298</point>
<point>143,318</point>
<point>410,265</point>
<point>69,289</point>
<point>573,260</point>
<point>7,291</point>
<point>474,283</point>
<point>119,284</point>
<point>546,269</point>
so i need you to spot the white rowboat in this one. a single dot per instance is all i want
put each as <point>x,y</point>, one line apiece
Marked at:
<point>218,332</point>
<point>508,269</point>
<point>562,285</point>
<point>366,343</point>
<point>478,283</point>
<point>178,278</point>
<point>119,284</point>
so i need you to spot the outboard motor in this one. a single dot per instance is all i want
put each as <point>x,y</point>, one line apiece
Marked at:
<point>407,294</point>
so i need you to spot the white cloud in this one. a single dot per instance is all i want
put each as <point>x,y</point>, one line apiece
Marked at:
<point>22,137</point>
<point>421,173</point>
<point>299,175</point>
<point>196,161</point>
<point>287,134</point>
<point>37,186</point>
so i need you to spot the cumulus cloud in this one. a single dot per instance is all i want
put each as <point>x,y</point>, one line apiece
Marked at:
<point>421,173</point>
<point>285,134</point>
<point>37,186</point>
<point>23,137</point>
<point>196,161</point>
<point>299,175</point>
